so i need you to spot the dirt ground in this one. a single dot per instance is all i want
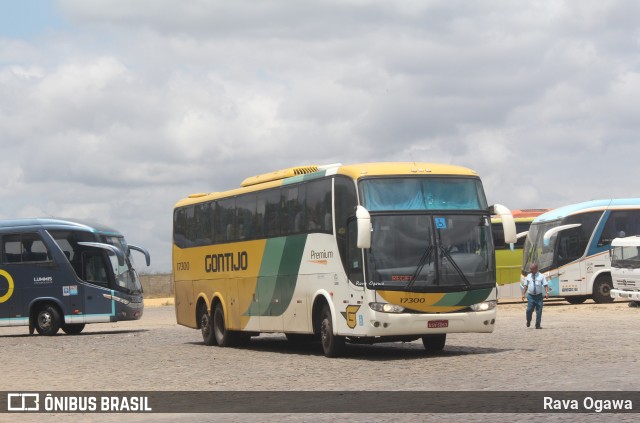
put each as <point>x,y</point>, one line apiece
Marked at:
<point>586,347</point>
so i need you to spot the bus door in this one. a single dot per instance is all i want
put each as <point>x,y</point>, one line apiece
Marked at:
<point>95,272</point>
<point>571,270</point>
<point>354,279</point>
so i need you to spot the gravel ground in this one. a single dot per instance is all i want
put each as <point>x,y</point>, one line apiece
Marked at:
<point>587,347</point>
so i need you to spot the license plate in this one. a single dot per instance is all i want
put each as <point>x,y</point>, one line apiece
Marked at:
<point>432,324</point>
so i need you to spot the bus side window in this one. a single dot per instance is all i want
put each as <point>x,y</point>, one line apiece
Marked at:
<point>498,236</point>
<point>225,220</point>
<point>345,206</point>
<point>293,218</point>
<point>271,212</point>
<point>246,206</point>
<point>620,224</point>
<point>318,206</point>
<point>25,248</point>
<point>354,255</point>
<point>94,269</point>
<point>11,249</point>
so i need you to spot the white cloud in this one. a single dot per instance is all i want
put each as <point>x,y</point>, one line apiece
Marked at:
<point>133,105</point>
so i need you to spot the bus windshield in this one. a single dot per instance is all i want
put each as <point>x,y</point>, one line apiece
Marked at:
<point>125,274</point>
<point>624,256</point>
<point>418,249</point>
<point>424,252</point>
<point>566,246</point>
<point>423,193</point>
<point>536,250</point>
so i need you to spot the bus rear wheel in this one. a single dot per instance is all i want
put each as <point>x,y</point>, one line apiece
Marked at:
<point>602,288</point>
<point>48,320</point>
<point>206,325</point>
<point>332,345</point>
<point>73,328</point>
<point>434,343</point>
<point>224,336</point>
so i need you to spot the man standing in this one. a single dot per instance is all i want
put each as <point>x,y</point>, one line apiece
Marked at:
<point>534,283</point>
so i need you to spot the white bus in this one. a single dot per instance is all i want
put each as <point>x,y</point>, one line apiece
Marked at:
<point>361,253</point>
<point>625,268</point>
<point>571,246</point>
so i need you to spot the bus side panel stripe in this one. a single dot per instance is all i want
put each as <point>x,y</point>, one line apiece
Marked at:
<point>597,233</point>
<point>452,299</point>
<point>266,286</point>
<point>278,273</point>
<point>476,296</point>
<point>464,298</point>
<point>288,273</point>
<point>305,177</point>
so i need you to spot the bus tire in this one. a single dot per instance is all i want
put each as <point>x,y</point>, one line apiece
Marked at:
<point>73,328</point>
<point>434,343</point>
<point>47,320</point>
<point>224,337</point>
<point>206,325</point>
<point>601,289</point>
<point>332,345</point>
<point>577,299</point>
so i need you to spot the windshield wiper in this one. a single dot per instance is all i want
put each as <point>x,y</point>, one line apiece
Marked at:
<point>455,266</point>
<point>421,263</point>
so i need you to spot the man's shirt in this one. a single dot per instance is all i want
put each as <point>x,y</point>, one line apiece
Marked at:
<point>536,283</point>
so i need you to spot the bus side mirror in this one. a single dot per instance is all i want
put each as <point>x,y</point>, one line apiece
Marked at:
<point>508,224</point>
<point>364,227</point>
<point>115,250</point>
<point>546,238</point>
<point>147,257</point>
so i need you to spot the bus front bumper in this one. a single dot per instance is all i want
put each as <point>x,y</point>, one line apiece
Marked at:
<point>625,295</point>
<point>390,324</point>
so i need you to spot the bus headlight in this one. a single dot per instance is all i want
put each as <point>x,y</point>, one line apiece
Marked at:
<point>484,306</point>
<point>386,307</point>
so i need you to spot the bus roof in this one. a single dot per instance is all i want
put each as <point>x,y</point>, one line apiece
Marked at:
<point>355,171</point>
<point>360,170</point>
<point>630,241</point>
<point>593,205</point>
<point>57,223</point>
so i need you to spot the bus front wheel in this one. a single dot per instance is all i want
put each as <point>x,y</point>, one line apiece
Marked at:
<point>224,336</point>
<point>332,345</point>
<point>206,325</point>
<point>602,288</point>
<point>433,343</point>
<point>48,320</point>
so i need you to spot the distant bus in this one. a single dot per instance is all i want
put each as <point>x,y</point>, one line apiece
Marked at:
<point>509,256</point>
<point>366,253</point>
<point>625,268</point>
<point>58,273</point>
<point>571,246</point>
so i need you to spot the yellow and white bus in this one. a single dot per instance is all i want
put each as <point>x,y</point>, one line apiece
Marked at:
<point>509,255</point>
<point>366,253</point>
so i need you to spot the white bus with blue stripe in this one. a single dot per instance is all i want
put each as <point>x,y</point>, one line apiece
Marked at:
<point>62,274</point>
<point>571,246</point>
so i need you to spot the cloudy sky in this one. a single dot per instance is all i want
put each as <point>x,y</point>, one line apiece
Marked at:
<point>112,110</point>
